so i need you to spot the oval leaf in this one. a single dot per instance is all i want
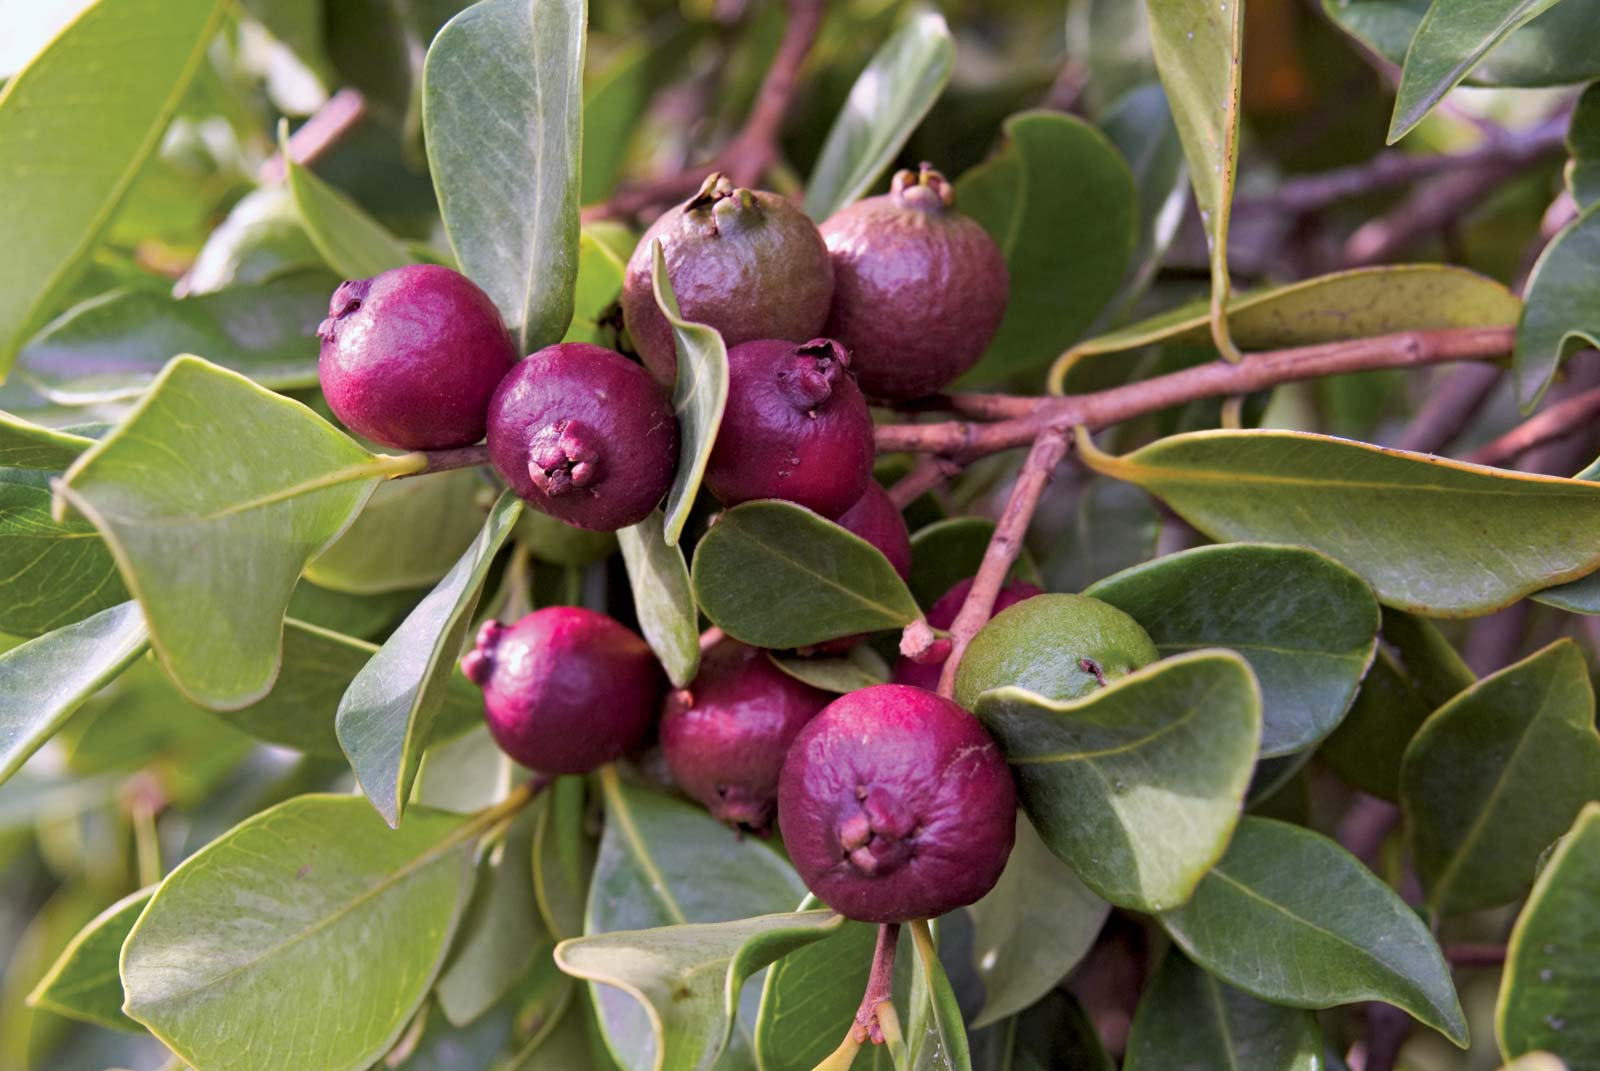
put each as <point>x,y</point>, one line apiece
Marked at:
<point>76,126</point>
<point>1291,917</point>
<point>308,934</point>
<point>663,598</point>
<point>699,395</point>
<point>408,536</point>
<point>942,1043</point>
<point>30,446</point>
<point>351,242</point>
<point>1138,786</point>
<point>1547,991</point>
<point>948,551</point>
<point>1583,145</point>
<point>84,984</point>
<point>885,105</point>
<point>212,495</point>
<point>859,667</point>
<point>502,95</point>
<point>776,575</point>
<point>52,573</point>
<point>386,717</point>
<point>1496,775</point>
<point>1413,525</point>
<point>1307,625</point>
<point>1563,310</point>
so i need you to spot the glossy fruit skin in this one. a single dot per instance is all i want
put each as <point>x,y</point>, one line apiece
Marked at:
<point>942,614</point>
<point>746,262</point>
<point>796,427</point>
<point>895,805</point>
<point>410,357</point>
<point>919,288</point>
<point>1042,644</point>
<point>584,434</point>
<point>565,689</point>
<point>725,736</point>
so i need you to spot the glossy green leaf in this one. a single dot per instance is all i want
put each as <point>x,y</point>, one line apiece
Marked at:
<point>1292,918</point>
<point>76,126</point>
<point>885,105</point>
<point>502,93</point>
<point>1189,1021</point>
<point>1307,625</point>
<point>1115,526</point>
<point>776,575</point>
<point>1197,46</point>
<point>663,598</point>
<point>212,495</point>
<point>386,717</point>
<point>1583,145</point>
<point>688,977</point>
<point>1451,39</point>
<point>663,862</point>
<point>261,239</point>
<point>1061,204</point>
<point>949,551</point>
<point>84,983</point>
<point>1496,775</point>
<point>24,445</point>
<point>1547,990</point>
<point>408,536</point>
<point>699,395</point>
<point>1053,1035</point>
<point>1139,123</point>
<point>1330,308</point>
<point>1138,786</point>
<point>599,284</point>
<point>112,346</point>
<point>50,677</point>
<point>1031,929</point>
<point>859,667</point>
<point>1563,310</point>
<point>351,242</point>
<point>562,857</point>
<point>615,98</point>
<point>52,573</point>
<point>942,1043</point>
<point>1429,535</point>
<point>305,936</point>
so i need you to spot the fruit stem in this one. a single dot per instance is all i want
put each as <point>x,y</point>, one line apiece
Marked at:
<point>880,988</point>
<point>423,462</point>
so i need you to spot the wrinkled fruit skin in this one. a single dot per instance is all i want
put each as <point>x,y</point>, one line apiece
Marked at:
<point>746,262</point>
<point>942,614</point>
<point>725,736</point>
<point>919,289</point>
<point>796,427</point>
<point>1060,646</point>
<point>896,805</point>
<point>875,519</point>
<point>411,357</point>
<point>565,689</point>
<point>585,435</point>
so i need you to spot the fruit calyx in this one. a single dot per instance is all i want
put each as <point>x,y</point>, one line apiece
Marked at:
<point>924,188</point>
<point>878,837</point>
<point>721,203</point>
<point>478,663</point>
<point>347,300</point>
<point>807,380</point>
<point>564,455</point>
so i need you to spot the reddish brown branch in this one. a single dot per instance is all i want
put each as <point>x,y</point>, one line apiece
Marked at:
<point>1449,407</point>
<point>1560,420</point>
<point>880,985</point>
<point>924,476</point>
<point>1470,955</point>
<point>1048,449</point>
<point>339,114</point>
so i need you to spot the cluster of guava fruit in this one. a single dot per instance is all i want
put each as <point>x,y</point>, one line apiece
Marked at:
<point>893,802</point>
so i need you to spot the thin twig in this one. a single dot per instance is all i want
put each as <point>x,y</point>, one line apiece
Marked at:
<point>1556,422</point>
<point>880,985</point>
<point>339,114</point>
<point>1470,955</point>
<point>1049,447</point>
<point>460,457</point>
<point>924,476</point>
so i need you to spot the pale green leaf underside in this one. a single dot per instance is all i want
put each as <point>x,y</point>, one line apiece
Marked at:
<point>662,597</point>
<point>699,396</point>
<point>83,984</point>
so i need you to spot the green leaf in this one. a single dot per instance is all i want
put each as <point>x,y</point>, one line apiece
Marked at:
<point>949,551</point>
<point>562,857</point>
<point>307,935</point>
<point>84,984</point>
<point>1115,526</point>
<point>76,126</point>
<point>1358,303</point>
<point>111,347</point>
<point>212,495</point>
<point>351,242</point>
<point>943,1043</point>
<point>859,667</point>
<point>885,105</point>
<point>663,862</point>
<point>1452,38</point>
<point>1292,918</point>
<point>615,98</point>
<point>1496,775</point>
<point>1307,625</point>
<point>502,93</point>
<point>386,717</point>
<point>1061,204</point>
<point>776,575</point>
<point>1563,309</point>
<point>24,445</point>
<point>662,598</point>
<point>1052,1035</point>
<point>52,573</point>
<point>1547,990</point>
<point>600,272</point>
<point>1583,145</point>
<point>1429,535</point>
<point>408,536</point>
<point>261,239</point>
<point>688,977</point>
<point>1139,123</point>
<point>1197,46</point>
<point>1031,929</point>
<point>1188,1019</point>
<point>50,677</point>
<point>1138,786</point>
<point>699,395</point>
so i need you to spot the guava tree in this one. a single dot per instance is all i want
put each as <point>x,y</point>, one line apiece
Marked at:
<point>769,534</point>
